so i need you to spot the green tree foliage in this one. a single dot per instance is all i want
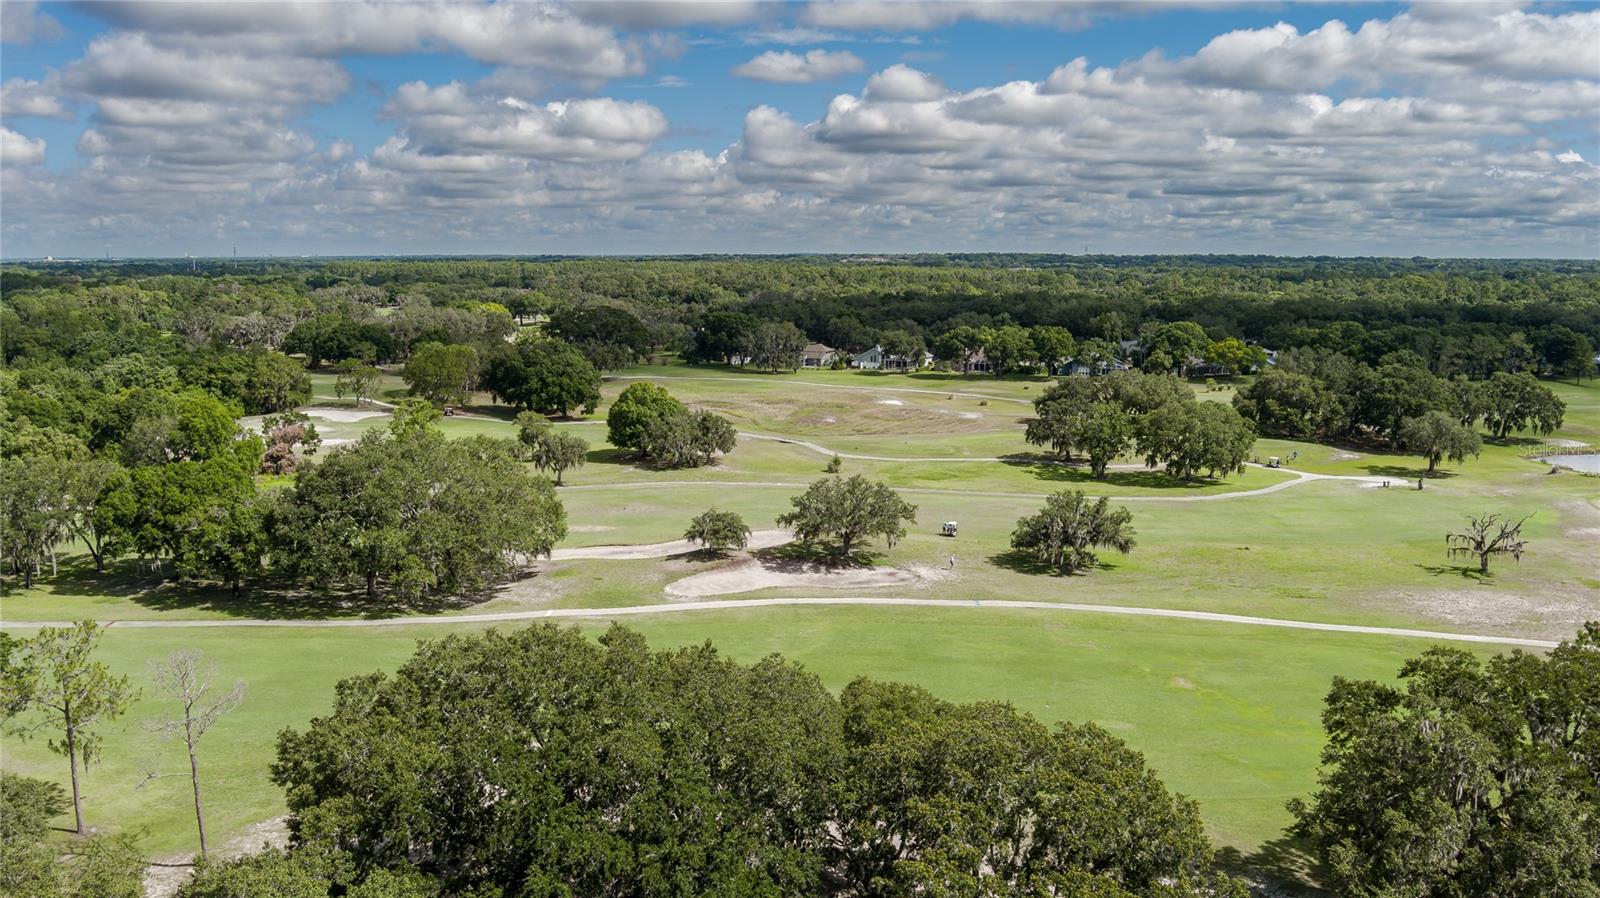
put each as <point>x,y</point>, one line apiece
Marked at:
<point>1286,404</point>
<point>639,405</point>
<point>1052,345</point>
<point>1489,771</point>
<point>1389,394</point>
<point>1568,353</point>
<point>1235,356</point>
<point>1437,436</point>
<point>901,343</point>
<point>442,374</point>
<point>847,512</point>
<point>1065,533</point>
<point>356,379</point>
<point>260,381</point>
<point>53,678</point>
<point>1513,402</point>
<point>718,530</point>
<point>776,346</point>
<point>413,415</point>
<point>1009,349</point>
<point>687,439</point>
<point>541,762</point>
<point>543,375</point>
<point>34,519</point>
<point>337,336</point>
<point>557,451</point>
<point>1192,437</point>
<point>1157,413</point>
<point>608,335</point>
<point>203,516</point>
<point>152,427</point>
<point>1066,406</point>
<point>92,489</point>
<point>722,336</point>
<point>417,513</point>
<point>312,871</point>
<point>1176,341</point>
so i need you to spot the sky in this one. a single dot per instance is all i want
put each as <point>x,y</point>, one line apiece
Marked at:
<point>598,127</point>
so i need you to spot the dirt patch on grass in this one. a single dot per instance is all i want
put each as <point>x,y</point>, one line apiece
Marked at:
<point>166,875</point>
<point>1549,616</point>
<point>750,574</point>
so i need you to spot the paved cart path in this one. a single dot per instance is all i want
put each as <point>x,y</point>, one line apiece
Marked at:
<point>975,605</point>
<point>1298,478</point>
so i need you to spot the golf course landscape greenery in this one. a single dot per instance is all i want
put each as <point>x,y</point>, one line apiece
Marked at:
<point>1139,536</point>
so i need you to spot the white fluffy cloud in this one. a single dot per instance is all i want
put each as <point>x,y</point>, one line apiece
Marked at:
<point>18,149</point>
<point>786,67</point>
<point>22,98</point>
<point>21,22</point>
<point>1442,129</point>
<point>452,121</point>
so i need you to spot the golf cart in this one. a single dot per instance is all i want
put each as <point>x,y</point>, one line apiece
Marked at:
<point>948,528</point>
<point>1274,462</point>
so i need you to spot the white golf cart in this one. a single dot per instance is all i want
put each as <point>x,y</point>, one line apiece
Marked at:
<point>948,528</point>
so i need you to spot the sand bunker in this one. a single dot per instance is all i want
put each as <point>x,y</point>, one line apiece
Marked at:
<point>345,415</point>
<point>752,574</point>
<point>760,539</point>
<point>890,402</point>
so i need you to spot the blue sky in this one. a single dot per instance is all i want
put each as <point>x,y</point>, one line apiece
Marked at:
<point>162,129</point>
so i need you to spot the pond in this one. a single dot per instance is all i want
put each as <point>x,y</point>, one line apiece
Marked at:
<point>1589,463</point>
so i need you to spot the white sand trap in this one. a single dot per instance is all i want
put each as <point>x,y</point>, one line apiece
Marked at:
<point>589,528</point>
<point>760,539</point>
<point>345,415</point>
<point>890,402</point>
<point>752,574</point>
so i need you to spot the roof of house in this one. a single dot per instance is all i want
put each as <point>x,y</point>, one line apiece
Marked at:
<point>819,349</point>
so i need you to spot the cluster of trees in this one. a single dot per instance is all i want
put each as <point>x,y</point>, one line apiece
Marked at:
<point>1488,774</point>
<point>407,508</point>
<point>544,376</point>
<point>653,424</point>
<point>51,683</point>
<point>1314,393</point>
<point>544,762</point>
<point>1153,415</point>
<point>740,338</point>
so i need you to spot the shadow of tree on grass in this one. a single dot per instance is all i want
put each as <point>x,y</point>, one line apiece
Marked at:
<point>262,598</point>
<point>1285,864</point>
<point>1466,572</point>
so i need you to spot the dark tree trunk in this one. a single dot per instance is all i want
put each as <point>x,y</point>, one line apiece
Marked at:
<point>372,584</point>
<point>72,760</point>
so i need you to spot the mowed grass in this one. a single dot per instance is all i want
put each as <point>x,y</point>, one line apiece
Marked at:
<point>1226,714</point>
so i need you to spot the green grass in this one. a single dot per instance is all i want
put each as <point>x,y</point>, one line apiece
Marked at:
<point>1226,714</point>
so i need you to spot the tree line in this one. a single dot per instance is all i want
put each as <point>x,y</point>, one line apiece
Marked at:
<point>403,511</point>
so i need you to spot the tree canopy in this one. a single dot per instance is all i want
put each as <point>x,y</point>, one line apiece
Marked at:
<point>845,512</point>
<point>540,761</point>
<point>1488,770</point>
